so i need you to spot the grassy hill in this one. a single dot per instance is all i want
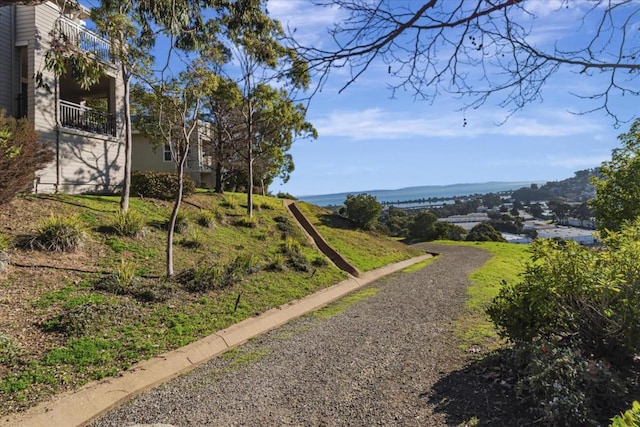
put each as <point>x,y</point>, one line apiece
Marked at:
<point>69,318</point>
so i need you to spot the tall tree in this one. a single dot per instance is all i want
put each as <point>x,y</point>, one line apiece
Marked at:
<point>221,110</point>
<point>478,48</point>
<point>262,58</point>
<point>618,186</point>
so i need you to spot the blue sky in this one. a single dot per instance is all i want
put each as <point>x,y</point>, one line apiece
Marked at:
<point>369,141</point>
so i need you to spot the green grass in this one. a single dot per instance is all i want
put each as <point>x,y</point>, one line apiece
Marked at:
<point>507,263</point>
<point>365,250</point>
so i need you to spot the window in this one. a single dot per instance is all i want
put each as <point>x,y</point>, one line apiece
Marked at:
<point>166,153</point>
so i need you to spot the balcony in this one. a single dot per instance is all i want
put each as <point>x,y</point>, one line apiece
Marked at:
<point>76,116</point>
<point>85,39</point>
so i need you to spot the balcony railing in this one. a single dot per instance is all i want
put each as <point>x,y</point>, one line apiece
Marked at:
<point>85,39</point>
<point>80,117</point>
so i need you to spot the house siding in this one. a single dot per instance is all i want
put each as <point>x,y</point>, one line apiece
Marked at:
<point>85,161</point>
<point>7,62</point>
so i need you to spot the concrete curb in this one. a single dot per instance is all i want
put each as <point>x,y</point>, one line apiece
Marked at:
<point>82,406</point>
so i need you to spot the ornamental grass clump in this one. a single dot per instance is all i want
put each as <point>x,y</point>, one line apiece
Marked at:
<point>129,224</point>
<point>59,234</point>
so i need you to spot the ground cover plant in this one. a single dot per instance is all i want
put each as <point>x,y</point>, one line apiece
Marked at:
<point>72,317</point>
<point>366,251</point>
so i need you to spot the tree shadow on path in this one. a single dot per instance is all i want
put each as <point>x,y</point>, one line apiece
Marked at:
<point>477,391</point>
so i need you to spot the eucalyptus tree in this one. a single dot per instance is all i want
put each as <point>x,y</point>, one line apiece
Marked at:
<point>279,121</point>
<point>262,57</point>
<point>221,111</point>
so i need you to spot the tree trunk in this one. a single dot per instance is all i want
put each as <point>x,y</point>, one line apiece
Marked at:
<point>218,178</point>
<point>250,161</point>
<point>126,184</point>
<point>176,209</point>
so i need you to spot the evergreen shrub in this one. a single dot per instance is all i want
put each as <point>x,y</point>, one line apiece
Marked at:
<point>160,185</point>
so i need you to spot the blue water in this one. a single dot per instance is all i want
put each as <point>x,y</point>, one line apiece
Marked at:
<point>421,192</point>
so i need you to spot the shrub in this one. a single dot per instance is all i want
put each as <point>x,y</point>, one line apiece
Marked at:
<point>285,225</point>
<point>160,185</point>
<point>319,261</point>
<point>266,205</point>
<point>575,292</point>
<point>204,277</point>
<point>563,386</point>
<point>59,234</point>
<point>277,263</point>
<point>363,210</point>
<point>9,350</point>
<point>298,262</point>
<point>206,219</point>
<point>629,418</point>
<point>484,232</point>
<point>130,224</point>
<point>21,155</point>
<point>230,202</point>
<point>291,246</point>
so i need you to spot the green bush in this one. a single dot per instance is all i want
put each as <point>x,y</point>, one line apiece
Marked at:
<point>21,155</point>
<point>564,387</point>
<point>320,261</point>
<point>130,224</point>
<point>59,234</point>
<point>363,210</point>
<point>160,185</point>
<point>484,232</point>
<point>629,418</point>
<point>182,223</point>
<point>246,222</point>
<point>570,291</point>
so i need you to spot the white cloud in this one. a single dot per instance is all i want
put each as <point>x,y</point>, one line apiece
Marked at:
<point>378,123</point>
<point>309,21</point>
<point>576,162</point>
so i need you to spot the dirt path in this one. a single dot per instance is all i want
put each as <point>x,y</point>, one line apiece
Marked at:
<point>387,360</point>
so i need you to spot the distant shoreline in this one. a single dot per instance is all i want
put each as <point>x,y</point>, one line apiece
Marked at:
<point>422,193</point>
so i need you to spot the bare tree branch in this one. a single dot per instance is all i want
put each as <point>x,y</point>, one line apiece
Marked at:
<point>478,49</point>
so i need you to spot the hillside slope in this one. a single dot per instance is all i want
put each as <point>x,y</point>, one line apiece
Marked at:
<point>68,318</point>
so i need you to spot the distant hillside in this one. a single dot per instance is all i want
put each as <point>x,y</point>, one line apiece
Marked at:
<point>575,189</point>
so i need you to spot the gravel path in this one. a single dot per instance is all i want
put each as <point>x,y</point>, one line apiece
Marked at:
<point>387,360</point>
